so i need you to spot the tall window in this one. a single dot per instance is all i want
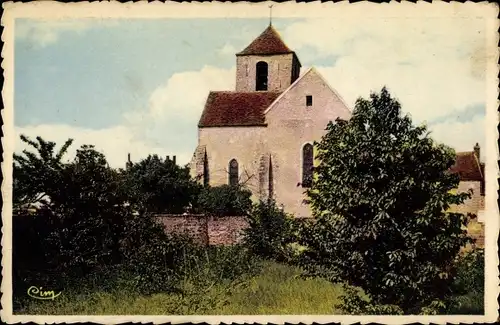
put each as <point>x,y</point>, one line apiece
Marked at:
<point>206,179</point>
<point>233,172</point>
<point>271,180</point>
<point>261,76</point>
<point>307,165</point>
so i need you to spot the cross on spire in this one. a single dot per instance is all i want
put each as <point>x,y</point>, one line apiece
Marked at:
<point>270,15</point>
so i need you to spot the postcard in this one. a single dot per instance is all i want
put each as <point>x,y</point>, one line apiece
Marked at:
<point>250,162</point>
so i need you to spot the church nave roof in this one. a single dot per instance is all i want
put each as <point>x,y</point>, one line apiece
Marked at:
<point>231,108</point>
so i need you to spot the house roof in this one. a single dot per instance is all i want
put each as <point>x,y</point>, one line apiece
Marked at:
<point>231,108</point>
<point>269,42</point>
<point>468,167</point>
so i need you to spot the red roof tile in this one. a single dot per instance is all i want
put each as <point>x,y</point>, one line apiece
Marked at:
<point>467,166</point>
<point>231,108</point>
<point>269,42</point>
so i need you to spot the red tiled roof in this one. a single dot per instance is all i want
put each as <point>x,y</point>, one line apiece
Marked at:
<point>468,167</point>
<point>231,108</point>
<point>269,42</point>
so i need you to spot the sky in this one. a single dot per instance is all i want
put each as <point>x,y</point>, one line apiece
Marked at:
<point>138,86</point>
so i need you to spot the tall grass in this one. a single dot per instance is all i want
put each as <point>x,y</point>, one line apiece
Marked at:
<point>274,289</point>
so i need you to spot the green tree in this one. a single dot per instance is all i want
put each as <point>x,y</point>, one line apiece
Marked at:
<point>82,224</point>
<point>79,202</point>
<point>35,172</point>
<point>157,185</point>
<point>380,196</point>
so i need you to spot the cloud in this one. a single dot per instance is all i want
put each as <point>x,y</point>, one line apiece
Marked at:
<point>433,66</point>
<point>42,33</point>
<point>175,108</point>
<point>168,126</point>
<point>183,95</point>
<point>462,136</point>
<point>115,142</point>
<point>227,49</point>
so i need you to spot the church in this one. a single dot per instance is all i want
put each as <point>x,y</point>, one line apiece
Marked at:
<point>261,134</point>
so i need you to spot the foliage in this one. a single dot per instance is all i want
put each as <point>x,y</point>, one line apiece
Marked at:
<point>469,272</point>
<point>379,196</point>
<point>225,200</point>
<point>82,224</point>
<point>354,302</point>
<point>270,231</point>
<point>35,172</point>
<point>467,289</point>
<point>77,201</point>
<point>161,186</point>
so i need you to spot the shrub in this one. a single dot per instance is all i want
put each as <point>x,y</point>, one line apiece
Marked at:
<point>150,256</point>
<point>469,275</point>
<point>355,302</point>
<point>467,289</point>
<point>225,200</point>
<point>270,231</point>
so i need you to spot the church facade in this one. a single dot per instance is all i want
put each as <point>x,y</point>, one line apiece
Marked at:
<point>261,134</point>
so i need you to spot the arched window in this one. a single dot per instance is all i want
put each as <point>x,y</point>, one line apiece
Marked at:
<point>206,176</point>
<point>271,180</point>
<point>261,76</point>
<point>233,172</point>
<point>307,165</point>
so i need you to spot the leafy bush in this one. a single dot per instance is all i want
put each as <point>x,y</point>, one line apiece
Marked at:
<point>225,200</point>
<point>354,302</point>
<point>270,231</point>
<point>157,185</point>
<point>467,289</point>
<point>469,272</point>
<point>379,196</point>
<point>152,257</point>
<point>82,226</point>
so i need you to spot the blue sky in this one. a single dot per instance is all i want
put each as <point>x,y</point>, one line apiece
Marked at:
<point>139,85</point>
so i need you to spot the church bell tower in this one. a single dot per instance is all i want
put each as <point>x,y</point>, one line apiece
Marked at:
<point>267,64</point>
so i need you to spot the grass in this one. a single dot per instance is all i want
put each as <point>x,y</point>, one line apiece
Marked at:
<point>258,288</point>
<point>276,289</point>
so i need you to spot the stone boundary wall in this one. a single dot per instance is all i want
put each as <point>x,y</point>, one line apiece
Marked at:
<point>205,230</point>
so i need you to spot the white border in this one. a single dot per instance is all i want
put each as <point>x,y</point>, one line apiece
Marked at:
<point>54,10</point>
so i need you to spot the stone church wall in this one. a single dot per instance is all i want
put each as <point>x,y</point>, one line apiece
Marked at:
<point>292,124</point>
<point>205,230</point>
<point>245,144</point>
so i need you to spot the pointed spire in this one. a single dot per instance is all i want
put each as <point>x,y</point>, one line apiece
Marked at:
<point>270,15</point>
<point>269,42</point>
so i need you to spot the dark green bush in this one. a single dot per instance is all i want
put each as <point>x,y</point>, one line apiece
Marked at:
<point>270,231</point>
<point>467,289</point>
<point>469,273</point>
<point>152,257</point>
<point>353,302</point>
<point>225,200</point>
